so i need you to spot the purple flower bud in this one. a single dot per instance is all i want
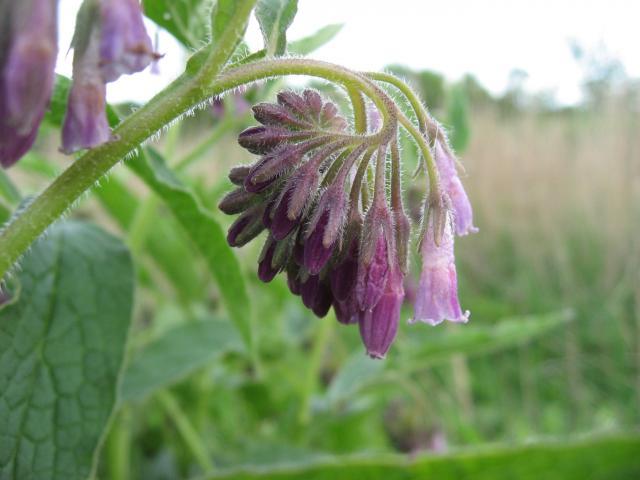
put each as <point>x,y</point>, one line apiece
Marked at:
<point>372,276</point>
<point>294,103</point>
<point>271,114</point>
<point>237,201</point>
<point>463,214</point>
<point>263,139</point>
<point>266,271</point>
<point>346,311</point>
<point>314,103</point>
<point>280,224</point>
<point>316,295</point>
<point>271,165</point>
<point>246,227</point>
<point>378,326</point>
<point>437,295</point>
<point>325,227</point>
<point>27,60</point>
<point>293,279</point>
<point>238,174</point>
<point>125,46</point>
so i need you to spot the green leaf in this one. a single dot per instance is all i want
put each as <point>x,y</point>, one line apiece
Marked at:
<point>61,351</point>
<point>176,354</point>
<point>439,344</point>
<point>614,457</point>
<point>186,20</point>
<point>306,45</point>
<point>357,372</point>
<point>204,231</point>
<point>275,17</point>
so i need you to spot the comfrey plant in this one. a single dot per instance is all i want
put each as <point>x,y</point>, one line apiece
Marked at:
<point>327,192</point>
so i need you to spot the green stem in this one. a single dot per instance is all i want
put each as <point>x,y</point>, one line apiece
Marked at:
<point>186,430</point>
<point>183,94</point>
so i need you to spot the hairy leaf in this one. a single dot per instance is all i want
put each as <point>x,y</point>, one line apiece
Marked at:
<point>176,354</point>
<point>306,45</point>
<point>204,231</point>
<point>607,458</point>
<point>186,20</point>
<point>61,350</point>
<point>275,17</point>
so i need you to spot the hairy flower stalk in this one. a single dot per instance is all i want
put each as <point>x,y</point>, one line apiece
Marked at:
<point>28,49</point>
<point>338,248</point>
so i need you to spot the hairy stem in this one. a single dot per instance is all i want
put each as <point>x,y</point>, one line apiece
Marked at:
<point>184,93</point>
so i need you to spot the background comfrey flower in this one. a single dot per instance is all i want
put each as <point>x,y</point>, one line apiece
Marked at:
<point>28,49</point>
<point>110,40</point>
<point>308,190</point>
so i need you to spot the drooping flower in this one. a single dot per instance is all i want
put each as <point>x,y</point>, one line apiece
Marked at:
<point>462,211</point>
<point>85,122</point>
<point>337,247</point>
<point>28,49</point>
<point>437,294</point>
<point>125,46</point>
<point>110,40</point>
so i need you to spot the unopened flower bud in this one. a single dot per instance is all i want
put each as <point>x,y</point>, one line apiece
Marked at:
<point>263,139</point>
<point>379,325</point>
<point>238,174</point>
<point>270,114</point>
<point>237,201</point>
<point>325,227</point>
<point>266,271</point>
<point>246,227</point>
<point>316,295</point>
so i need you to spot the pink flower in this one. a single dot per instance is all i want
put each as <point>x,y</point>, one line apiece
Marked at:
<point>437,295</point>
<point>463,214</point>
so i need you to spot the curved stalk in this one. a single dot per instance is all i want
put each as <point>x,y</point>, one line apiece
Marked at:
<point>183,94</point>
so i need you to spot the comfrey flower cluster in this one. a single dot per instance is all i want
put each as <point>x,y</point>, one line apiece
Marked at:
<point>342,242</point>
<point>110,40</point>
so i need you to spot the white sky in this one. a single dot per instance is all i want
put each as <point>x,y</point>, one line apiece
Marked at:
<point>488,38</point>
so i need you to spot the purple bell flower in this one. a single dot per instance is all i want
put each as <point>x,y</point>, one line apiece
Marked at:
<point>125,46</point>
<point>437,295</point>
<point>463,214</point>
<point>27,61</point>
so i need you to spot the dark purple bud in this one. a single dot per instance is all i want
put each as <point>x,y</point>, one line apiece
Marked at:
<point>329,118</point>
<point>316,255</point>
<point>314,103</point>
<point>372,275</point>
<point>263,139</point>
<point>272,165</point>
<point>293,278</point>
<point>271,114</point>
<point>346,311</point>
<point>27,60</point>
<point>325,227</point>
<point>268,210</point>
<point>125,46</point>
<point>246,227</point>
<point>282,253</point>
<point>266,272</point>
<point>379,325</point>
<point>343,276</point>
<point>316,295</point>
<point>237,201</point>
<point>238,174</point>
<point>294,103</point>
<point>281,225</point>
